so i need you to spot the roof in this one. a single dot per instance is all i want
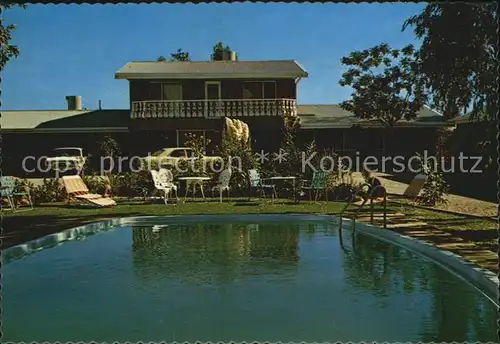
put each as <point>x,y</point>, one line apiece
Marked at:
<point>65,120</point>
<point>311,117</point>
<point>211,69</point>
<point>468,119</point>
<point>333,116</point>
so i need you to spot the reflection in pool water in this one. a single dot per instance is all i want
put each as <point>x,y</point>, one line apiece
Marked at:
<point>275,281</point>
<point>205,253</point>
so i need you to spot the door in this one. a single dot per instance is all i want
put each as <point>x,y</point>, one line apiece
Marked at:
<point>213,108</point>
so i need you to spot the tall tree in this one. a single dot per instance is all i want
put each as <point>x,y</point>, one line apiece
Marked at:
<point>161,59</point>
<point>219,50</point>
<point>459,56</point>
<point>459,64</point>
<point>385,83</point>
<point>7,50</point>
<point>180,55</point>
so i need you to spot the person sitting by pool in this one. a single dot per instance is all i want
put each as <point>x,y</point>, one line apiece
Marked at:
<point>378,194</point>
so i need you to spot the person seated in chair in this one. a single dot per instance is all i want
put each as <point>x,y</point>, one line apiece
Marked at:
<point>378,195</point>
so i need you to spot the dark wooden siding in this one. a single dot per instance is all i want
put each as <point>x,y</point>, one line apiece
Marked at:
<point>286,88</point>
<point>194,89</point>
<point>139,91</point>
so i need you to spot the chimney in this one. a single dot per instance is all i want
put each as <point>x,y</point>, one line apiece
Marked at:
<point>74,102</point>
<point>234,57</point>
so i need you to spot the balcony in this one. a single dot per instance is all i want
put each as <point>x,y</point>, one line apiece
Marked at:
<point>214,108</point>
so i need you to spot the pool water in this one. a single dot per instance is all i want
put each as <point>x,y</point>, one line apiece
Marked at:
<point>238,281</point>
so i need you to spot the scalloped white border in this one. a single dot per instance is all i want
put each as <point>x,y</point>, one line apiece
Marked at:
<point>483,280</point>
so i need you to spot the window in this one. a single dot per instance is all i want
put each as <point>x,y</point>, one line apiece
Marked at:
<point>171,92</point>
<point>259,90</point>
<point>158,153</point>
<point>178,153</point>
<point>190,153</point>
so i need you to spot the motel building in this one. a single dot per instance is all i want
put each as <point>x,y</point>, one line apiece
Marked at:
<point>167,100</point>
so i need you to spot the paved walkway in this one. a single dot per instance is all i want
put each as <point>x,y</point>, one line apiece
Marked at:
<point>459,204</point>
<point>430,234</point>
<point>426,232</point>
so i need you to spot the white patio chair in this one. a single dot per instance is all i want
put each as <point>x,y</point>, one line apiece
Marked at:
<point>161,185</point>
<point>167,178</point>
<point>223,183</point>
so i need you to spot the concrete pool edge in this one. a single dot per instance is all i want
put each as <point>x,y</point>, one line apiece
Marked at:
<point>485,280</point>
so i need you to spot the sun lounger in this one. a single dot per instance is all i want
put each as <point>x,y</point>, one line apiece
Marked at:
<point>413,190</point>
<point>416,185</point>
<point>76,189</point>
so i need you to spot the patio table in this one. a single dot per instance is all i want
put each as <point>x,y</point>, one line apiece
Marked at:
<point>283,178</point>
<point>193,181</point>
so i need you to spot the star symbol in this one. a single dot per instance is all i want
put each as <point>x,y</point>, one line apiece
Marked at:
<point>262,156</point>
<point>280,157</point>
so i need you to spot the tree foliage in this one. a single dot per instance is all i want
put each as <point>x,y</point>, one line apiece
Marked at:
<point>180,55</point>
<point>458,63</point>
<point>7,50</point>
<point>385,82</point>
<point>219,50</point>
<point>459,56</point>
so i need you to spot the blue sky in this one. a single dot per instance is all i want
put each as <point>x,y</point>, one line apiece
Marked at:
<point>76,49</point>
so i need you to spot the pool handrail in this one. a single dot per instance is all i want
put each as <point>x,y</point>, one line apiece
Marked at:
<point>371,197</point>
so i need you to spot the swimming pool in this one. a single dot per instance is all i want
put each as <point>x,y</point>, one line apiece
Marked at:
<point>227,278</point>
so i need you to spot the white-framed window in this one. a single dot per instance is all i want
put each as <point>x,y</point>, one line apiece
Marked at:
<point>212,90</point>
<point>171,92</point>
<point>259,90</point>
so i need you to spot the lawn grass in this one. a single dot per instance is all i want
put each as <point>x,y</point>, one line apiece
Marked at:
<point>51,218</point>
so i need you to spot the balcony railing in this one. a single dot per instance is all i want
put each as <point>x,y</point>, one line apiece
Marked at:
<point>214,108</point>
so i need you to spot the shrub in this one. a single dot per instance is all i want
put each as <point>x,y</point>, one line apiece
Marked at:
<point>49,191</point>
<point>232,148</point>
<point>298,161</point>
<point>109,146</point>
<point>95,183</point>
<point>197,166</point>
<point>343,192</point>
<point>132,184</point>
<point>435,188</point>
